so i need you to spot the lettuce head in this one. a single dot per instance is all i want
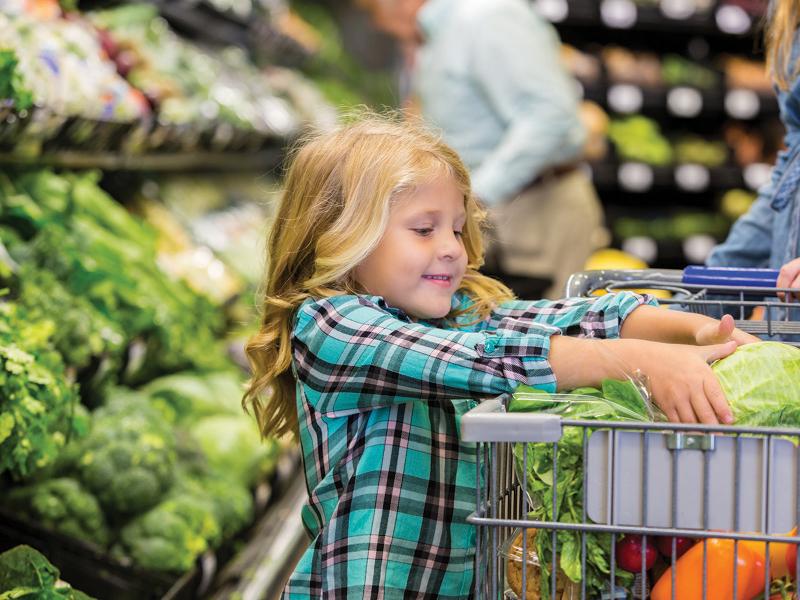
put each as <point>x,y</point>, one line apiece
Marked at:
<point>762,384</point>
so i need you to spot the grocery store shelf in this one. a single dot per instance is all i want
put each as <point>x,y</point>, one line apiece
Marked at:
<point>636,177</point>
<point>171,162</point>
<point>684,102</point>
<point>626,15</point>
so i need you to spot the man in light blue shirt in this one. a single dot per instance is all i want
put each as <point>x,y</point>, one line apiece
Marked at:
<point>488,74</point>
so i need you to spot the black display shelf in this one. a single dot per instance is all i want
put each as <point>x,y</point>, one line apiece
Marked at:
<point>638,178</point>
<point>616,15</point>
<point>682,101</point>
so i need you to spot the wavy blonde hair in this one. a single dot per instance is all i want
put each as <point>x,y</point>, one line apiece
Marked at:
<point>334,211</point>
<point>780,34</point>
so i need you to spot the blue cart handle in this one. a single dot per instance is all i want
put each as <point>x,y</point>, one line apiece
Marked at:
<point>729,276</point>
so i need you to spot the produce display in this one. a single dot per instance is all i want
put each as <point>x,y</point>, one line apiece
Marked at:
<point>120,79</point>
<point>164,465</point>
<point>760,382</point>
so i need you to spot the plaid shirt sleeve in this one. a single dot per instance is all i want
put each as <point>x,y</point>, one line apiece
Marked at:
<point>354,354</point>
<point>600,317</point>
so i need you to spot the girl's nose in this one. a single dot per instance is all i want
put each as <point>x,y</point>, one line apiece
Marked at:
<point>451,247</point>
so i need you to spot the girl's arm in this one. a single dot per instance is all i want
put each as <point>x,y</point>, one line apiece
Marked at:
<point>683,385</point>
<point>676,327</point>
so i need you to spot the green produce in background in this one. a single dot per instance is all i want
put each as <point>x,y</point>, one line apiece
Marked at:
<point>185,397</point>
<point>736,202</point>
<point>128,459</point>
<point>676,70</point>
<point>25,574</point>
<point>344,83</point>
<point>638,138</point>
<point>694,149</point>
<point>162,539</point>
<point>61,505</point>
<point>234,447</point>
<point>36,399</point>
<point>100,253</point>
<point>675,227</point>
<point>12,86</point>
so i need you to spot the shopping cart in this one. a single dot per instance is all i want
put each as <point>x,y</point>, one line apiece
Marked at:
<point>707,483</point>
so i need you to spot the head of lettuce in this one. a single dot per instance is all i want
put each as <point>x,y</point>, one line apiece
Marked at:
<point>762,384</point>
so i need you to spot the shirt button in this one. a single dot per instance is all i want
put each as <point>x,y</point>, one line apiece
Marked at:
<point>491,345</point>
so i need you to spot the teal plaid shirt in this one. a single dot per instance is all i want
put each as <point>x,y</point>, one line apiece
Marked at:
<point>379,400</point>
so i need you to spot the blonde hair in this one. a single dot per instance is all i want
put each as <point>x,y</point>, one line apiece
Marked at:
<point>780,34</point>
<point>333,213</point>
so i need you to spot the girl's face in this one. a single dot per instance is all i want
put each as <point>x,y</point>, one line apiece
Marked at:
<point>420,261</point>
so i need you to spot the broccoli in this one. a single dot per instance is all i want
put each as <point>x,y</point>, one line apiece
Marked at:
<point>231,502</point>
<point>127,461</point>
<point>169,537</point>
<point>63,505</point>
<point>127,472</point>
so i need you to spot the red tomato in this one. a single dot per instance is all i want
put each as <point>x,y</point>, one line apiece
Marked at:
<point>629,553</point>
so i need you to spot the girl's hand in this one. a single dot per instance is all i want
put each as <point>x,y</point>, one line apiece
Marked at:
<point>719,332</point>
<point>683,384</point>
<point>789,278</point>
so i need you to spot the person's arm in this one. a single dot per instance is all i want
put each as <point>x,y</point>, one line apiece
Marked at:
<point>674,327</point>
<point>679,376</point>
<point>516,63</point>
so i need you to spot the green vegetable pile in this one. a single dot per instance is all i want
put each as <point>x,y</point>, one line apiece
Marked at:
<point>164,466</point>
<point>27,575</point>
<point>640,139</point>
<point>106,260</point>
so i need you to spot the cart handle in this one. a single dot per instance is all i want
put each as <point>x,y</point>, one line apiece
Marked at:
<point>730,276</point>
<point>489,422</point>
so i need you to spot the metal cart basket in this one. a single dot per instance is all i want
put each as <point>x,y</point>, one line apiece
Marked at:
<point>708,483</point>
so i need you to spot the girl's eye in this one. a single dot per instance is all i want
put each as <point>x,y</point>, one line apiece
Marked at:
<point>459,233</point>
<point>424,231</point>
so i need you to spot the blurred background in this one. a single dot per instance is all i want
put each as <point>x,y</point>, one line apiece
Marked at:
<point>141,149</point>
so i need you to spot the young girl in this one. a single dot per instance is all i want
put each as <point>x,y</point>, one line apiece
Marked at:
<point>379,332</point>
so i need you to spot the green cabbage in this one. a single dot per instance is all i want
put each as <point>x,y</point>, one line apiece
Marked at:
<point>762,384</point>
